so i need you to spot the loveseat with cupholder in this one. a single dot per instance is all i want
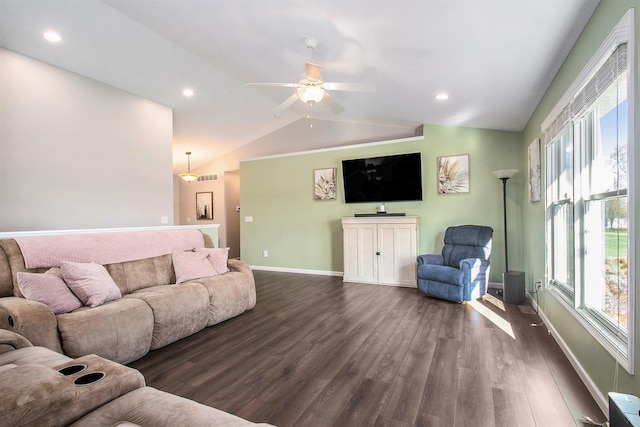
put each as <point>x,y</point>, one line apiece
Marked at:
<point>40,387</point>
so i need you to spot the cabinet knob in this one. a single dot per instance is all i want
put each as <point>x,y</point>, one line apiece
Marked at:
<point>377,253</point>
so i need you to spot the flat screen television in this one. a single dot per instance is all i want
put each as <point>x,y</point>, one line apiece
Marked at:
<point>383,179</point>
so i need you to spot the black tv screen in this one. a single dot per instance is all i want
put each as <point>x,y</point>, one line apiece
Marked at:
<point>383,179</point>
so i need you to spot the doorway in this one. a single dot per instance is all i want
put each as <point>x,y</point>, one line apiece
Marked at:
<point>232,211</point>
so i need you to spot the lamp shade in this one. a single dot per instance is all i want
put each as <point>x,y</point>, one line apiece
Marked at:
<point>505,173</point>
<point>188,176</point>
<point>311,93</point>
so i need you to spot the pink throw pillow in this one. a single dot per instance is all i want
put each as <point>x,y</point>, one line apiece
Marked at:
<point>217,257</point>
<point>48,288</point>
<point>191,265</point>
<point>90,282</point>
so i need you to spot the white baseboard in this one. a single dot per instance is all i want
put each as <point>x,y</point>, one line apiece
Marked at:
<point>600,399</point>
<point>298,270</point>
<point>495,285</point>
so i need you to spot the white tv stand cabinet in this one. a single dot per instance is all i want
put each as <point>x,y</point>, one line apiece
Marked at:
<point>381,250</point>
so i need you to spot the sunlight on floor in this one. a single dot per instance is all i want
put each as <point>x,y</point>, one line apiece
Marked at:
<point>495,301</point>
<point>492,317</point>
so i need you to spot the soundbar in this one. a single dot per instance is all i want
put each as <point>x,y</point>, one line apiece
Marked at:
<point>380,214</point>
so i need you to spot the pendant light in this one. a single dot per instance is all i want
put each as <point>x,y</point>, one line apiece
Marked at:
<point>188,176</point>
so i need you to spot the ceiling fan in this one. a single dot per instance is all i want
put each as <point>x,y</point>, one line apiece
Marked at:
<point>311,89</point>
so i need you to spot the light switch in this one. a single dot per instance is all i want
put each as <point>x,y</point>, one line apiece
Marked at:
<point>248,219</point>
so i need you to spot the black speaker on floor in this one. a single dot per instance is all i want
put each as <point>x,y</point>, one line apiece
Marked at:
<point>513,287</point>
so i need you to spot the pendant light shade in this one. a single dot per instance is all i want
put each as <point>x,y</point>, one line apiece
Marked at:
<point>188,176</point>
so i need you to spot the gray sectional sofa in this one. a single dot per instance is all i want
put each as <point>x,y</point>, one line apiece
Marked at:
<point>152,309</point>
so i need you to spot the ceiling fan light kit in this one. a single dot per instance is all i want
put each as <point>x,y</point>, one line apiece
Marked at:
<point>310,94</point>
<point>311,89</point>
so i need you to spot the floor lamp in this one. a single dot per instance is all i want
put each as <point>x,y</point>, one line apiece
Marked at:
<point>504,175</point>
<point>513,281</point>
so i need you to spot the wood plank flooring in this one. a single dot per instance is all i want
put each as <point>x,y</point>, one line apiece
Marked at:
<point>319,352</point>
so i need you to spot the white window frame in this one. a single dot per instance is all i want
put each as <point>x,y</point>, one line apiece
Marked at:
<point>621,351</point>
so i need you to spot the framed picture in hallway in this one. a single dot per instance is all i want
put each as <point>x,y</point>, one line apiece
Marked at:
<point>324,184</point>
<point>204,205</point>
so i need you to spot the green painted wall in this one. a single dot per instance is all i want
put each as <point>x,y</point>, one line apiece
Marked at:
<point>302,233</point>
<point>597,363</point>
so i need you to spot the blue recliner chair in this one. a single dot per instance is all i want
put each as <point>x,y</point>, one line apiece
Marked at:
<point>461,273</point>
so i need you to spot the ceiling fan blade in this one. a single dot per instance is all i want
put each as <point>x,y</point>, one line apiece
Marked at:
<point>332,104</point>
<point>286,104</point>
<point>313,71</point>
<point>356,87</point>
<point>273,84</point>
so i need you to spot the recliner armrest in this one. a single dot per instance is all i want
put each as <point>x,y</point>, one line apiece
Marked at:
<point>31,319</point>
<point>433,259</point>
<point>11,341</point>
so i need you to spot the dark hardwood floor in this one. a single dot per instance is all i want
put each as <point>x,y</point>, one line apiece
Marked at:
<point>319,352</point>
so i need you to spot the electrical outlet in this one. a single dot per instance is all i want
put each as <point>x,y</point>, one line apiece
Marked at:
<point>265,253</point>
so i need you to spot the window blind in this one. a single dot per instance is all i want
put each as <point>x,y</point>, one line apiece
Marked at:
<point>615,65</point>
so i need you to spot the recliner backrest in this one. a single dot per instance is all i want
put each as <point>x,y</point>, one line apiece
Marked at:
<point>466,241</point>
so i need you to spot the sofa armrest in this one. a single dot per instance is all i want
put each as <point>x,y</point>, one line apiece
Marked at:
<point>11,341</point>
<point>239,266</point>
<point>29,391</point>
<point>433,259</point>
<point>31,319</point>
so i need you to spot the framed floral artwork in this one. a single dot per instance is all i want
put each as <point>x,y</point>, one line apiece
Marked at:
<point>324,184</point>
<point>453,174</point>
<point>534,171</point>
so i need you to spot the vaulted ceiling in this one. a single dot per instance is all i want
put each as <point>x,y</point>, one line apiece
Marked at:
<point>494,59</point>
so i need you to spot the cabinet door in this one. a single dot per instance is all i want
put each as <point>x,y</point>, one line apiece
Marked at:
<point>397,259</point>
<point>360,263</point>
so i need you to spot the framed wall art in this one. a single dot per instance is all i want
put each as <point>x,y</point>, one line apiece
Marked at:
<point>453,174</point>
<point>324,184</point>
<point>204,205</point>
<point>535,190</point>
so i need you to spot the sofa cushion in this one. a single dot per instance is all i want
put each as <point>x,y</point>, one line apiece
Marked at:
<point>90,282</point>
<point>217,257</point>
<point>118,330</point>
<point>29,355</point>
<point>143,273</point>
<point>30,391</point>
<point>229,295</point>
<point>178,311</point>
<point>191,265</point>
<point>150,407</point>
<point>50,289</point>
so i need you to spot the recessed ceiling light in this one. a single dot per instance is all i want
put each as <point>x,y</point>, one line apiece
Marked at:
<point>52,36</point>
<point>188,92</point>
<point>442,96</point>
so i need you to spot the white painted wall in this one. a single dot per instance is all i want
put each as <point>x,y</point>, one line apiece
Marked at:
<point>76,153</point>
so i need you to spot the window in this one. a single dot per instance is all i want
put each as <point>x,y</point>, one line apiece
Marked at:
<point>588,190</point>
<point>560,220</point>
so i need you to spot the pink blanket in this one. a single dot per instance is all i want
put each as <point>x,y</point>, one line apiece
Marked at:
<point>105,248</point>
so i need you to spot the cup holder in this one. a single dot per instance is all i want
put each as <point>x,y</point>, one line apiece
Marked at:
<point>72,369</point>
<point>89,378</point>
